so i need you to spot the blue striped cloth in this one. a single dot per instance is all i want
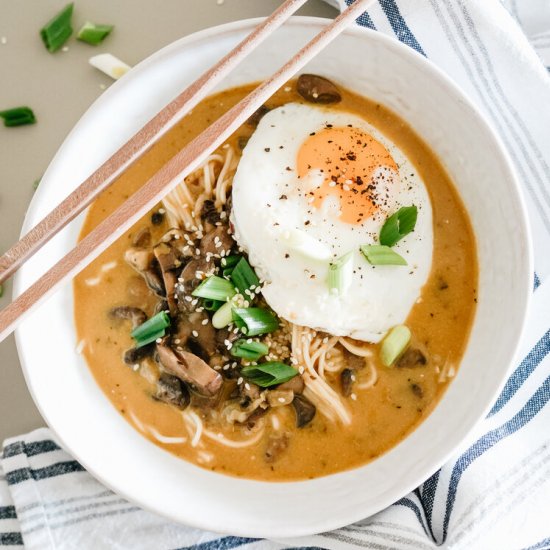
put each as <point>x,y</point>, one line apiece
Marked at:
<point>495,493</point>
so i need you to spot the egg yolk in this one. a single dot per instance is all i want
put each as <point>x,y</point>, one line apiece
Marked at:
<point>357,169</point>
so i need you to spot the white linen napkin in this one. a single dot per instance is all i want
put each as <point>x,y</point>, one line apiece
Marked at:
<point>495,494</point>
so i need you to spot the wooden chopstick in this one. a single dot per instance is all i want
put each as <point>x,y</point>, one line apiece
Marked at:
<point>86,192</point>
<point>168,177</point>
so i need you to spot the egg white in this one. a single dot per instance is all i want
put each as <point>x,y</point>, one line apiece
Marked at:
<point>270,211</point>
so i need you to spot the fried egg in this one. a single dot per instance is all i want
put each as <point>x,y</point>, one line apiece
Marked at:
<point>313,185</point>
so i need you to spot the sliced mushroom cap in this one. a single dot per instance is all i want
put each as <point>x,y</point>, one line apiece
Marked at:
<point>171,390</point>
<point>217,240</point>
<point>139,258</point>
<point>196,326</point>
<point>154,282</point>
<point>209,213</point>
<point>317,89</point>
<point>191,369</point>
<point>255,118</point>
<point>413,357</point>
<point>279,398</point>
<point>347,379</point>
<point>276,445</point>
<point>295,384</point>
<point>127,313</point>
<point>190,278</point>
<point>142,238</point>
<point>134,356</point>
<point>305,410</point>
<point>181,241</point>
<point>168,263</point>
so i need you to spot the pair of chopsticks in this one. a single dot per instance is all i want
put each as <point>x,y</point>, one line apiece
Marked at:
<point>168,177</point>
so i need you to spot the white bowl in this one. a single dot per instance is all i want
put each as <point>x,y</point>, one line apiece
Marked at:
<point>88,425</point>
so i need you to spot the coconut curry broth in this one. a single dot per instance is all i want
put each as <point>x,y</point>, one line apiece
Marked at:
<point>382,415</point>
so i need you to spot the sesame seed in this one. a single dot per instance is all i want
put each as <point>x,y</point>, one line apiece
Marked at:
<point>353,396</point>
<point>162,211</point>
<point>240,380</point>
<point>195,333</point>
<point>247,385</point>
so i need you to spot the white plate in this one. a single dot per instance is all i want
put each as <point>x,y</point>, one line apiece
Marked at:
<point>89,426</point>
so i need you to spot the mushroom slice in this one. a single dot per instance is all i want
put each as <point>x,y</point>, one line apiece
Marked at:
<point>209,213</point>
<point>296,384</point>
<point>216,241</point>
<point>134,356</point>
<point>276,445</point>
<point>191,369</point>
<point>413,357</point>
<point>305,410</point>
<point>142,238</point>
<point>280,398</point>
<point>347,379</point>
<point>197,327</point>
<point>168,263</point>
<point>139,258</point>
<point>127,313</point>
<point>317,89</point>
<point>171,390</point>
<point>191,276</point>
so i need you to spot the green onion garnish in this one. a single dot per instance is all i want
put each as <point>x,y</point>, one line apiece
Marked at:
<point>394,344</point>
<point>269,374</point>
<point>215,288</point>
<point>340,274</point>
<point>378,254</point>
<point>253,321</point>
<point>251,351</point>
<point>56,32</point>
<point>228,264</point>
<point>398,225</point>
<point>153,328</point>
<point>212,305</point>
<point>1,291</point>
<point>244,278</point>
<point>223,316</point>
<point>18,116</point>
<point>36,183</point>
<point>93,34</point>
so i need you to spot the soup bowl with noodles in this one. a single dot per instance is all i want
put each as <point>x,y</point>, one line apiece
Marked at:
<point>309,316</point>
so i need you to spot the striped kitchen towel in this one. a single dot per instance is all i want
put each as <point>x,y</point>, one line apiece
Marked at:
<point>495,493</point>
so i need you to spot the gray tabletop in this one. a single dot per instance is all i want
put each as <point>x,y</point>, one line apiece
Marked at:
<point>59,88</point>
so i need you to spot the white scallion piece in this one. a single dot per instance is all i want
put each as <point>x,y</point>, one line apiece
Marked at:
<point>110,65</point>
<point>340,274</point>
<point>305,244</point>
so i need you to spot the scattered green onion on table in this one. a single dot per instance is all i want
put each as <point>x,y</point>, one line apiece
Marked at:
<point>94,34</point>
<point>153,328</point>
<point>18,116</point>
<point>269,374</point>
<point>58,30</point>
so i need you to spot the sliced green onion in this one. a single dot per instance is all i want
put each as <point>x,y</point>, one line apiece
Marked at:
<point>212,305</point>
<point>18,116</point>
<point>153,328</point>
<point>36,183</point>
<point>398,225</point>
<point>215,288</point>
<point>394,344</point>
<point>340,274</point>
<point>223,316</point>
<point>253,321</point>
<point>378,254</point>
<point>269,374</point>
<point>1,291</point>
<point>251,351</point>
<point>56,31</point>
<point>244,278</point>
<point>228,264</point>
<point>94,34</point>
